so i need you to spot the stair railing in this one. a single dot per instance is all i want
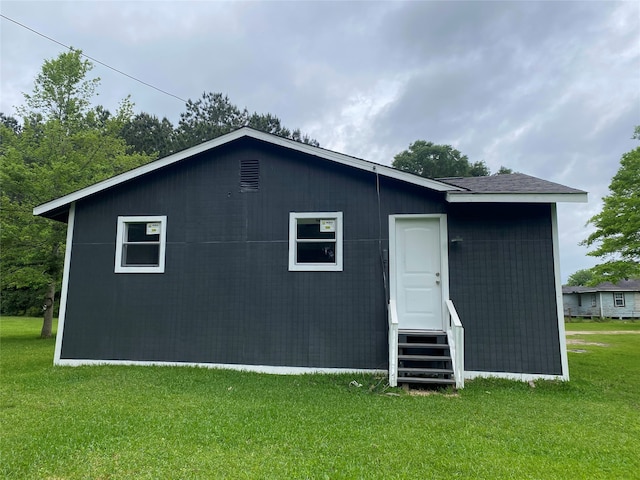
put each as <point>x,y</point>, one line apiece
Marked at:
<point>455,335</point>
<point>393,343</point>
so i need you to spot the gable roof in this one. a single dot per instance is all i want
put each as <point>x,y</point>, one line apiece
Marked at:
<point>502,186</point>
<point>58,207</point>
<point>621,286</point>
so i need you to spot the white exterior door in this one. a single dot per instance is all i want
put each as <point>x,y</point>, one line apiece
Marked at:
<point>415,271</point>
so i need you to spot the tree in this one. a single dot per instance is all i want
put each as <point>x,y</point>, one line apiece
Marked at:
<point>63,146</point>
<point>61,90</point>
<point>504,171</point>
<point>214,115</point>
<point>437,161</point>
<point>145,133</point>
<point>580,278</point>
<point>617,235</point>
<point>10,122</point>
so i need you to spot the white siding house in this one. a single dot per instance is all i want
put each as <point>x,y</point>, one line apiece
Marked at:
<point>606,300</point>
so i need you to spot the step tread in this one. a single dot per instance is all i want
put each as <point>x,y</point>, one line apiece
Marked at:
<point>425,357</point>
<point>444,381</point>
<point>422,332</point>
<point>423,345</point>
<point>426,370</point>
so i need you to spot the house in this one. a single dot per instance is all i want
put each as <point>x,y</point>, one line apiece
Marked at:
<point>255,252</point>
<point>605,300</point>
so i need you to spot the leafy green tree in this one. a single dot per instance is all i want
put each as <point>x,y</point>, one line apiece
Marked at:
<point>580,278</point>
<point>437,161</point>
<point>504,171</point>
<point>63,146</point>
<point>10,122</point>
<point>617,235</point>
<point>214,115</point>
<point>61,90</point>
<point>145,133</point>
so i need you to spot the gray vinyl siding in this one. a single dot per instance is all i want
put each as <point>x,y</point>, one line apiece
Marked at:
<point>502,284</point>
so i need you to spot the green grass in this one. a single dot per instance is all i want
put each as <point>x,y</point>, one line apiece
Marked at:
<point>112,422</point>
<point>599,325</point>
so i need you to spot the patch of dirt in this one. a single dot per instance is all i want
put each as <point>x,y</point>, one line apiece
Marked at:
<point>577,351</point>
<point>577,341</point>
<point>426,393</point>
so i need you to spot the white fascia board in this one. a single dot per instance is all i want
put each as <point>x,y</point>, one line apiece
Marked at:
<point>353,162</point>
<point>468,197</point>
<point>230,137</point>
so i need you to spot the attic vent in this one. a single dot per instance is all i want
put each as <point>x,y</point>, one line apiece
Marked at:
<point>249,175</point>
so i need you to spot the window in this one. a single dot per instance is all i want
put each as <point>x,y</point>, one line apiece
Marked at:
<point>140,244</point>
<point>315,241</point>
<point>593,300</point>
<point>579,299</point>
<point>618,299</point>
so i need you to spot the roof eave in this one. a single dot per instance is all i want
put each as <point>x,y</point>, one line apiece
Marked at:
<point>61,202</point>
<point>477,197</point>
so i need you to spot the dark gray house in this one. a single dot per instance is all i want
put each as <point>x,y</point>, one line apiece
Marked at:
<point>612,300</point>
<point>255,252</point>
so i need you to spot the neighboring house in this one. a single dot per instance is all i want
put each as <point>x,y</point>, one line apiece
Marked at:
<point>255,252</point>
<point>606,300</point>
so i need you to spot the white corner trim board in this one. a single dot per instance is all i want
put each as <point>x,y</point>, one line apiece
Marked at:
<point>270,369</point>
<point>564,359</point>
<point>65,283</point>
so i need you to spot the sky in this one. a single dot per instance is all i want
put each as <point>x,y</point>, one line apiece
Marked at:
<point>550,89</point>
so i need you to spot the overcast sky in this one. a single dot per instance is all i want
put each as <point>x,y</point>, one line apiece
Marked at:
<point>551,89</point>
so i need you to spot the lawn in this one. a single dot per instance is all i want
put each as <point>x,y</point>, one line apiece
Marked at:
<point>112,422</point>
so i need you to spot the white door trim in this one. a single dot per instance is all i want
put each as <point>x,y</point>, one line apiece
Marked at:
<point>444,255</point>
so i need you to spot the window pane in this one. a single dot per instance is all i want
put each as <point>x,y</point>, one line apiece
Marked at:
<point>137,232</point>
<point>133,254</point>
<point>310,228</point>
<point>316,252</point>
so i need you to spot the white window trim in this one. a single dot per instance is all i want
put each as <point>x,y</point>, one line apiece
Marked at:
<point>314,267</point>
<point>122,221</point>
<point>616,296</point>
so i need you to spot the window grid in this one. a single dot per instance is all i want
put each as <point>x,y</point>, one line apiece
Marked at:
<point>618,299</point>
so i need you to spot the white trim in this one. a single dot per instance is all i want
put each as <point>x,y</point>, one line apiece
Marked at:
<point>477,197</point>
<point>120,234</point>
<point>270,369</point>
<point>559,302</point>
<point>65,283</point>
<point>444,256</point>
<point>293,240</point>
<point>523,377</point>
<point>601,310</point>
<point>230,137</point>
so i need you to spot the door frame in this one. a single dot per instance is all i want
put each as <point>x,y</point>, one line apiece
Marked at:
<point>444,256</point>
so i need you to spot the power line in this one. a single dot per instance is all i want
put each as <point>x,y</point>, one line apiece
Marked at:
<point>93,59</point>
